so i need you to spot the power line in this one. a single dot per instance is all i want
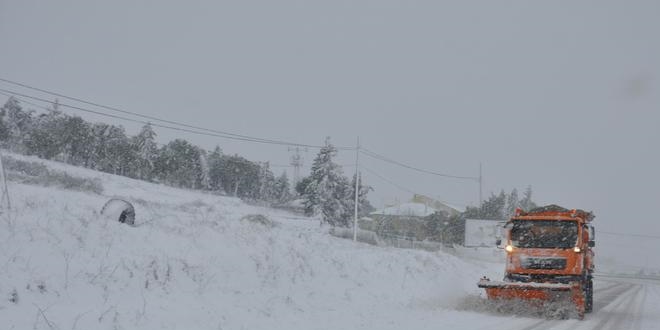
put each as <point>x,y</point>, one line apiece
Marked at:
<point>101,113</point>
<point>624,234</point>
<point>388,181</point>
<point>120,117</point>
<point>128,112</point>
<point>408,190</point>
<point>242,137</point>
<point>374,155</point>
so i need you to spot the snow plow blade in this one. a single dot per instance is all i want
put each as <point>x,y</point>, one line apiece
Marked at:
<point>535,292</point>
<point>522,290</point>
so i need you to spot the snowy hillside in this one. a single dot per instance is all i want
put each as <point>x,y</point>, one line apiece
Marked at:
<point>192,262</point>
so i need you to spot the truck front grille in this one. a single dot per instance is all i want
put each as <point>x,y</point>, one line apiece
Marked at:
<point>543,263</point>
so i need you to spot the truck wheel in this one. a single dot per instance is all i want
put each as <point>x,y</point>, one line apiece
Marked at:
<point>589,296</point>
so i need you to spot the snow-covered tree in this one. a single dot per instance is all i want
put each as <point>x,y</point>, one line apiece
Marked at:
<point>147,151</point>
<point>17,123</point>
<point>301,186</point>
<point>240,177</point>
<point>215,162</point>
<point>494,207</point>
<point>526,202</point>
<point>45,139</point>
<point>282,189</point>
<point>119,157</point>
<point>204,171</point>
<point>325,195</point>
<point>364,207</point>
<point>266,183</point>
<point>178,164</point>
<point>75,139</point>
<point>501,206</point>
<point>512,203</point>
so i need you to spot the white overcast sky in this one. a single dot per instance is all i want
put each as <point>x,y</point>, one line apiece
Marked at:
<point>560,95</point>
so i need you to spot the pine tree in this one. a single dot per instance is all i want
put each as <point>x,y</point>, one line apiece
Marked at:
<point>301,186</point>
<point>147,150</point>
<point>282,189</point>
<point>215,162</point>
<point>4,127</point>
<point>492,208</point>
<point>526,202</point>
<point>98,157</point>
<point>240,177</point>
<point>204,171</point>
<point>266,183</point>
<point>75,140</point>
<point>178,164</point>
<point>119,157</point>
<point>18,123</point>
<point>325,195</point>
<point>45,138</point>
<point>364,207</point>
<point>512,204</point>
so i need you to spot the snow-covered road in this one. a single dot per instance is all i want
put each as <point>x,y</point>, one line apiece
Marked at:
<point>618,304</point>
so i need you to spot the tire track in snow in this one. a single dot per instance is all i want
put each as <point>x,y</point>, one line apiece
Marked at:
<point>637,319</point>
<point>605,296</point>
<point>599,288</point>
<point>617,305</point>
<point>614,315</point>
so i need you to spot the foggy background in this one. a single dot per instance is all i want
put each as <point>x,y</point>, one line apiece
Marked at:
<point>562,96</point>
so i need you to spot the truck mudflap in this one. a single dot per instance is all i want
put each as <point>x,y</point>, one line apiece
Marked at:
<point>537,293</point>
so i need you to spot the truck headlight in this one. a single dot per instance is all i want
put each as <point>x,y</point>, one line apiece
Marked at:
<point>508,248</point>
<point>577,249</point>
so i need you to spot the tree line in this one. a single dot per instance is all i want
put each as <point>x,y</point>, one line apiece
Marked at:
<point>55,135</point>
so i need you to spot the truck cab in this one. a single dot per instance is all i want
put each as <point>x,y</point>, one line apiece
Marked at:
<point>548,251</point>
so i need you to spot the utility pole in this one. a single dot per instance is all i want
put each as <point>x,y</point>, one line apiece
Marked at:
<point>357,180</point>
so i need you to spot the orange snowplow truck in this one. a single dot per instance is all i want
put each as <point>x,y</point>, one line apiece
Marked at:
<point>549,259</point>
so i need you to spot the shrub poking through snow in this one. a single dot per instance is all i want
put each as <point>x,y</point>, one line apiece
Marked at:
<point>13,298</point>
<point>38,174</point>
<point>259,219</point>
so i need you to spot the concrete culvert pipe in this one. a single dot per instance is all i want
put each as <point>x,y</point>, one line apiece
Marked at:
<point>120,210</point>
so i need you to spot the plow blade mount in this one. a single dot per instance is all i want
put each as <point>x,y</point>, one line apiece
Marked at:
<point>535,292</point>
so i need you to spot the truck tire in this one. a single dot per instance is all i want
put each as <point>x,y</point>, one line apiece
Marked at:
<point>589,295</point>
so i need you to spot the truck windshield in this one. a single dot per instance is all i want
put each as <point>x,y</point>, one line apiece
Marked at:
<point>545,234</point>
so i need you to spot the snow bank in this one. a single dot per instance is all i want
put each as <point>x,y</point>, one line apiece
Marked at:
<point>191,263</point>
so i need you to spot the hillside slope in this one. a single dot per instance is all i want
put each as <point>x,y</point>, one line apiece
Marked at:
<point>192,263</point>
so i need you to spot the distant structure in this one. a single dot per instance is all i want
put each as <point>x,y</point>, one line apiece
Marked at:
<point>296,163</point>
<point>408,218</point>
<point>435,204</point>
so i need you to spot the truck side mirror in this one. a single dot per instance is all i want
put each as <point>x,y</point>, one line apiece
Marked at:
<point>498,242</point>
<point>592,243</point>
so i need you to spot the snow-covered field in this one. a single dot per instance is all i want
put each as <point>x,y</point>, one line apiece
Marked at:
<point>194,262</point>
